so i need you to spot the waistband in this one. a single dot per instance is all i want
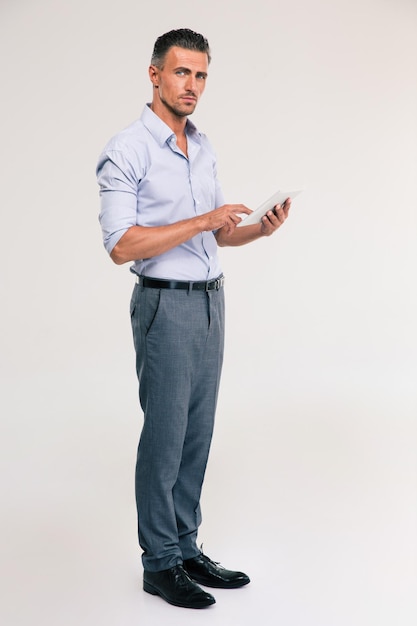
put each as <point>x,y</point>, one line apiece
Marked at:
<point>159,283</point>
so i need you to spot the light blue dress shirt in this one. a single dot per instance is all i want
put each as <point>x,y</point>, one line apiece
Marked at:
<point>146,180</point>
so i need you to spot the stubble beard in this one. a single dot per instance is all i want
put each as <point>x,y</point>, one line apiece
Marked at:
<point>176,110</point>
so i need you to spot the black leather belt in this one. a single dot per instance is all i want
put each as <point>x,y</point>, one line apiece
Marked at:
<point>159,283</point>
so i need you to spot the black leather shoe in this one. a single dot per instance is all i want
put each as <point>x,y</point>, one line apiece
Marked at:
<point>176,587</point>
<point>206,572</point>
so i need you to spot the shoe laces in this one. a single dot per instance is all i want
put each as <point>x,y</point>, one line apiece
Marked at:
<point>181,576</point>
<point>208,560</point>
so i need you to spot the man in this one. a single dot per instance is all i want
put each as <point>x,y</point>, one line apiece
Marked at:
<point>162,209</point>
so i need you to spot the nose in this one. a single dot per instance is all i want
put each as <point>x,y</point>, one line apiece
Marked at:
<point>191,84</point>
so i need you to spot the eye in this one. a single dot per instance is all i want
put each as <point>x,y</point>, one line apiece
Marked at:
<point>201,76</point>
<point>180,72</point>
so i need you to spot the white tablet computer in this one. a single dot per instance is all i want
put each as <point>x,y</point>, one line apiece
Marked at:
<point>256,216</point>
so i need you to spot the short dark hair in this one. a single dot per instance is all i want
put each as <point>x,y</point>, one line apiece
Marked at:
<point>183,38</point>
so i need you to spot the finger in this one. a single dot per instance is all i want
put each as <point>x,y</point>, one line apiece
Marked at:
<point>287,206</point>
<point>231,225</point>
<point>267,225</point>
<point>241,208</point>
<point>279,213</point>
<point>273,221</point>
<point>235,219</point>
<point>273,216</point>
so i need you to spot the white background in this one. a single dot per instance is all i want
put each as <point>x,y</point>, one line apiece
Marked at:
<point>311,486</point>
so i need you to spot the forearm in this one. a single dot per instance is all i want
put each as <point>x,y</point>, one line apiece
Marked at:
<point>240,236</point>
<point>144,242</point>
<point>140,242</point>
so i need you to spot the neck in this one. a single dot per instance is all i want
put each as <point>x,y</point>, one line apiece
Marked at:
<point>177,123</point>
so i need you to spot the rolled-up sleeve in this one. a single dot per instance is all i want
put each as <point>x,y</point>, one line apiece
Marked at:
<point>118,183</point>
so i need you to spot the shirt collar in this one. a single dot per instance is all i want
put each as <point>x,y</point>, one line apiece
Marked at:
<point>161,131</point>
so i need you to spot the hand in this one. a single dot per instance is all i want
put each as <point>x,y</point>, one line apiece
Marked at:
<point>274,219</point>
<point>225,217</point>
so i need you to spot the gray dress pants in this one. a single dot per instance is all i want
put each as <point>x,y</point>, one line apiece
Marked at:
<point>179,340</point>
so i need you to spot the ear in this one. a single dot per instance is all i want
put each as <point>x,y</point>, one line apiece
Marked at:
<point>154,75</point>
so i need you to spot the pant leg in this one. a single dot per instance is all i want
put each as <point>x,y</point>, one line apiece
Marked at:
<point>172,329</point>
<point>204,392</point>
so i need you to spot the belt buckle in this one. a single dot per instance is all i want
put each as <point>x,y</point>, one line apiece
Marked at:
<point>215,284</point>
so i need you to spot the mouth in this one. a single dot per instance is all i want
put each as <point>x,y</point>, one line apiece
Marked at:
<point>189,99</point>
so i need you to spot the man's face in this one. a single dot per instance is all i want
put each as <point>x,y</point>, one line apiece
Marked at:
<point>181,81</point>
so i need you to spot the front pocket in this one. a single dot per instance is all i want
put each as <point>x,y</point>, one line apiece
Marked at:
<point>133,301</point>
<point>152,299</point>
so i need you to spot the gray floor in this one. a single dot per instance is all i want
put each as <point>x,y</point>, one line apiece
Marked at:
<point>315,499</point>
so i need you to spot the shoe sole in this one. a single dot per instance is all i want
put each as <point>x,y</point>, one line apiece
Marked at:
<point>155,592</point>
<point>219,585</point>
